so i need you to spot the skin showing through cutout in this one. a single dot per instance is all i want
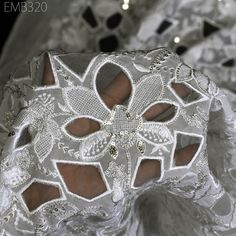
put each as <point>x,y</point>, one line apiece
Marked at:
<point>77,178</point>
<point>90,182</point>
<point>151,168</point>
<point>39,193</point>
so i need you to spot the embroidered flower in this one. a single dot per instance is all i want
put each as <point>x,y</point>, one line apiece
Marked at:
<point>43,129</point>
<point>123,126</point>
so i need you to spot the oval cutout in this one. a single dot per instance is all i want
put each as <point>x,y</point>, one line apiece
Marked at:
<point>81,127</point>
<point>161,112</point>
<point>113,85</point>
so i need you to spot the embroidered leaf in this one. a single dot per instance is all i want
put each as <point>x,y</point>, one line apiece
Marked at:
<point>43,145</point>
<point>54,128</point>
<point>95,145</point>
<point>23,118</point>
<point>183,73</point>
<point>141,67</point>
<point>141,98</point>
<point>156,134</point>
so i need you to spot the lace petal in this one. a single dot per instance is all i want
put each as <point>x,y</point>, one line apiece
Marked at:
<point>85,102</point>
<point>141,98</point>
<point>43,145</point>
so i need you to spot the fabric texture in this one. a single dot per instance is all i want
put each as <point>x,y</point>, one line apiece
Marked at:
<point>125,139</point>
<point>196,199</point>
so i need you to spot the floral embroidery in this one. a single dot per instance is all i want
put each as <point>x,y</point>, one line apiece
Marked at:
<point>42,127</point>
<point>119,175</point>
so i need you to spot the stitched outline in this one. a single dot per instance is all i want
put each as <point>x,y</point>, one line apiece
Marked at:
<point>196,155</point>
<point>47,182</point>
<point>96,164</point>
<point>140,159</point>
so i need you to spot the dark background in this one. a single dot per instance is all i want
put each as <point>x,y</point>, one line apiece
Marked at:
<point>7,20</point>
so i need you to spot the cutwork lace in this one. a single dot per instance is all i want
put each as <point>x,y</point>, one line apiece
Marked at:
<point>124,140</point>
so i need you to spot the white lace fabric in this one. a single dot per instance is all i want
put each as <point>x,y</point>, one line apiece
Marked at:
<point>188,195</point>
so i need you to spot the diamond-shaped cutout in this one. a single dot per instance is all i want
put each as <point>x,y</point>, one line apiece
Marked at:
<point>186,94</point>
<point>147,170</point>
<point>83,180</point>
<point>187,147</point>
<point>39,193</point>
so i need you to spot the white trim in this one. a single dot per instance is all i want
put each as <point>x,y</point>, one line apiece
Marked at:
<point>46,182</point>
<point>66,68</point>
<point>172,166</point>
<point>140,159</point>
<point>204,97</point>
<point>96,164</point>
<point>166,101</point>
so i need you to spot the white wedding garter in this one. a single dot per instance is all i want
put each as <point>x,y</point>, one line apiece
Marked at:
<point>183,200</point>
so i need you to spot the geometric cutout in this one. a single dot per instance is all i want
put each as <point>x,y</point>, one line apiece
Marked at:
<point>185,93</point>
<point>24,138</point>
<point>186,148</point>
<point>89,17</point>
<point>229,63</point>
<point>48,77</point>
<point>108,43</point>
<point>161,112</point>
<point>163,26</point>
<point>148,169</point>
<point>39,193</point>
<point>114,21</point>
<point>209,28</point>
<point>81,127</point>
<point>82,180</point>
<point>116,88</point>
<point>181,49</point>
